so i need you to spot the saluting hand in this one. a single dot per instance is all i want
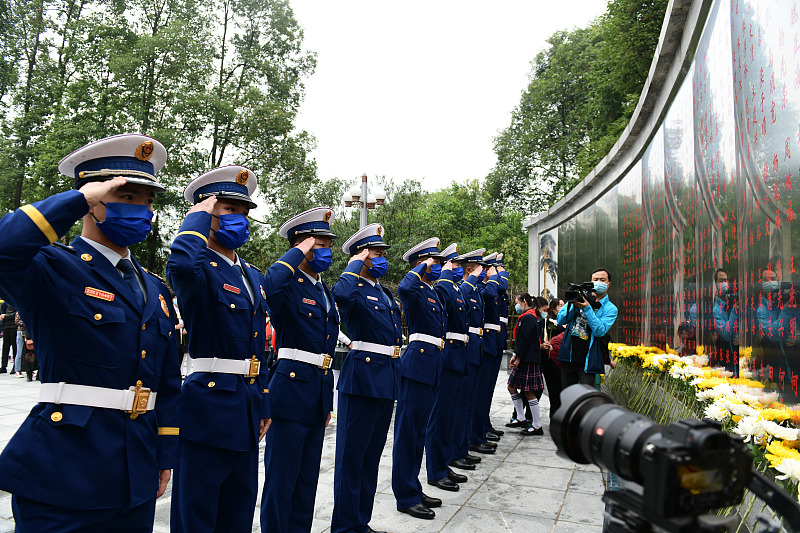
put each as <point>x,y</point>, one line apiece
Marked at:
<point>491,272</point>
<point>307,244</point>
<point>95,191</point>
<point>477,271</point>
<point>206,205</point>
<point>448,266</point>
<point>360,256</point>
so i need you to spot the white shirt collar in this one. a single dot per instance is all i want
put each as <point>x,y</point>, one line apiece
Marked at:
<point>368,281</point>
<point>112,256</point>
<point>227,260</point>
<point>310,277</point>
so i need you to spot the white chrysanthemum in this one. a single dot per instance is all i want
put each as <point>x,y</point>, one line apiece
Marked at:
<point>723,389</point>
<point>701,360</point>
<point>790,468</point>
<point>706,394</point>
<point>739,409</point>
<point>747,374</point>
<point>716,412</point>
<point>750,427</point>
<point>779,431</point>
<point>747,397</point>
<point>769,397</point>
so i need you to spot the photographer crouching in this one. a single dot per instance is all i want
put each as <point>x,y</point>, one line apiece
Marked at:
<point>588,315</point>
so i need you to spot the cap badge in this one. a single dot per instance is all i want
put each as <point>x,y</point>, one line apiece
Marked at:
<point>327,216</point>
<point>242,177</point>
<point>379,230</point>
<point>145,151</point>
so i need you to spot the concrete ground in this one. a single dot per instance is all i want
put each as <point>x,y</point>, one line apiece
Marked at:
<point>524,487</point>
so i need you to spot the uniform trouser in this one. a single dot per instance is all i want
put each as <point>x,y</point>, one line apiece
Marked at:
<point>9,343</point>
<point>496,362</point>
<point>37,517</point>
<point>552,376</point>
<point>442,425</point>
<point>477,433</point>
<point>414,406</point>
<point>291,464</point>
<point>361,428</point>
<point>214,489</point>
<point>466,406</point>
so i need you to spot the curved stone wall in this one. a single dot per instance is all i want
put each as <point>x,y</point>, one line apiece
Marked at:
<point>692,210</point>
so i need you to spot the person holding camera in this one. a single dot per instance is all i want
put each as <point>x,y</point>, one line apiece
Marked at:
<point>580,355</point>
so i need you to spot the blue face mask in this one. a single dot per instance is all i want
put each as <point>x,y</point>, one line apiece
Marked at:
<point>322,259</point>
<point>234,230</point>
<point>518,308</point>
<point>458,272</point>
<point>544,314</point>
<point>722,286</point>
<point>379,267</point>
<point>126,224</point>
<point>771,285</point>
<point>600,287</point>
<point>436,271</point>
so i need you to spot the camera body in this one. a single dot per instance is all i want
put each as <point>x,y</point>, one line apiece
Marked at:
<point>577,292</point>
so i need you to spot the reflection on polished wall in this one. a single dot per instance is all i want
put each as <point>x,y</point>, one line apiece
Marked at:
<point>700,235</point>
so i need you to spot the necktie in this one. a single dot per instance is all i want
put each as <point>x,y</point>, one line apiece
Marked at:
<point>240,270</point>
<point>129,275</point>
<point>318,285</point>
<point>384,298</point>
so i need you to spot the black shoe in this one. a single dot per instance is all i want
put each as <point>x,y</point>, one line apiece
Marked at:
<point>419,511</point>
<point>457,478</point>
<point>492,437</point>
<point>530,431</point>
<point>490,444</point>
<point>481,448</point>
<point>517,423</point>
<point>445,484</point>
<point>474,459</point>
<point>462,464</point>
<point>3,370</point>
<point>498,432</point>
<point>429,502</point>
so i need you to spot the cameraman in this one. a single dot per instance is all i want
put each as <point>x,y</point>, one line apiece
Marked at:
<point>580,355</point>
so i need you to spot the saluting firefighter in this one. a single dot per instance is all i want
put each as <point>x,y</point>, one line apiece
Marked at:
<point>471,271</point>
<point>97,450</point>
<point>225,400</point>
<point>306,325</point>
<point>501,302</point>
<point>369,380</point>
<point>441,426</point>
<point>420,367</point>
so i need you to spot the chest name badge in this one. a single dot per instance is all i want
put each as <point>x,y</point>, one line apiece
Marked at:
<point>431,300</point>
<point>97,293</point>
<point>309,301</point>
<point>372,298</point>
<point>163,304</point>
<point>231,288</point>
<point>471,300</point>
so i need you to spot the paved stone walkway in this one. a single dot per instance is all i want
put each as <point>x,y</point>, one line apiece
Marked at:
<point>524,487</point>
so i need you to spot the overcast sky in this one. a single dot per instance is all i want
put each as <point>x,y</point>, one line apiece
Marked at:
<point>418,89</point>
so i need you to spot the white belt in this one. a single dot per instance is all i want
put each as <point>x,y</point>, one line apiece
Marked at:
<point>476,331</point>
<point>321,360</point>
<point>391,351</point>
<point>244,367</point>
<point>493,327</point>
<point>430,339</point>
<point>463,337</point>
<point>504,320</point>
<point>136,400</point>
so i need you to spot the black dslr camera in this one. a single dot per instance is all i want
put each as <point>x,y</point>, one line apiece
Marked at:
<point>685,469</point>
<point>577,292</point>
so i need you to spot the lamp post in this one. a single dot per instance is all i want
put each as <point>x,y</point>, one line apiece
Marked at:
<point>361,198</point>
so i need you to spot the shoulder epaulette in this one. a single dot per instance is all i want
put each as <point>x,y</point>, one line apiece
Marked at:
<point>254,268</point>
<point>159,278</point>
<point>64,247</point>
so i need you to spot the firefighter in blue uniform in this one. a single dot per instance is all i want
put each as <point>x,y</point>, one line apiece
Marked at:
<point>369,380</point>
<point>98,448</point>
<point>225,400</point>
<point>471,264</point>
<point>306,324</point>
<point>489,358</point>
<point>502,338</point>
<point>420,367</point>
<point>441,427</point>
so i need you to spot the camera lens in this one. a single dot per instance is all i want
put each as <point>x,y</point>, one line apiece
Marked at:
<point>590,428</point>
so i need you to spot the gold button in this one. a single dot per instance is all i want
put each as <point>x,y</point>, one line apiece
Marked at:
<point>376,307</point>
<point>422,350</point>
<point>144,327</point>
<point>98,316</point>
<point>367,359</point>
<point>255,334</point>
<point>309,314</point>
<point>252,380</point>
<point>360,284</point>
<point>144,352</point>
<point>233,306</point>
<point>328,337</point>
<point>213,263</point>
<point>291,374</point>
<point>85,257</point>
<point>139,383</point>
<point>56,416</point>
<point>170,334</point>
<point>326,320</point>
<point>211,384</point>
<point>451,342</point>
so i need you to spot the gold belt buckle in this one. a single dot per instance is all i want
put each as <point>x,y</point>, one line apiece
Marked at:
<point>141,398</point>
<point>255,366</point>
<point>396,352</point>
<point>480,332</point>
<point>441,344</point>
<point>326,363</point>
<point>466,340</point>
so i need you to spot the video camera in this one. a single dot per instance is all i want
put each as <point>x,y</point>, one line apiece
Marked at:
<point>685,469</point>
<point>577,292</point>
